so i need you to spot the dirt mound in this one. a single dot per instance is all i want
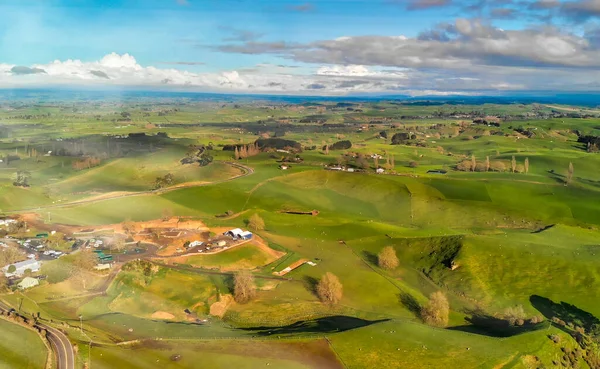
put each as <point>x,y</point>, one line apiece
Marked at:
<point>220,308</point>
<point>162,315</point>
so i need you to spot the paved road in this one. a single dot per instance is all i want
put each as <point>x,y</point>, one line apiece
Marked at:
<point>65,356</point>
<point>61,345</point>
<point>246,172</point>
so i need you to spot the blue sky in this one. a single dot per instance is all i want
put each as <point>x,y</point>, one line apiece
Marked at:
<point>287,46</point>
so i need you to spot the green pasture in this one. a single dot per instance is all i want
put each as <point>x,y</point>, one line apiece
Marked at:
<point>20,348</point>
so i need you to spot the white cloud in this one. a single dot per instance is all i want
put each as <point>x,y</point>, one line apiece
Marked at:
<point>358,71</point>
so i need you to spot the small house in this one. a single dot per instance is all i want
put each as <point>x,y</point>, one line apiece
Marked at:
<point>380,170</point>
<point>283,167</point>
<point>221,243</point>
<point>28,282</point>
<point>104,266</point>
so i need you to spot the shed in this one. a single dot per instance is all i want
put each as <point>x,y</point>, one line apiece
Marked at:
<point>21,267</point>
<point>28,282</point>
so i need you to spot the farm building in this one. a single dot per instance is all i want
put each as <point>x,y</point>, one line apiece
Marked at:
<point>195,243</point>
<point>28,282</point>
<point>380,170</point>
<point>239,234</point>
<point>21,267</point>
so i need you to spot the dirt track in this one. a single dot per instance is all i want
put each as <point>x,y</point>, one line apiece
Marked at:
<point>118,195</point>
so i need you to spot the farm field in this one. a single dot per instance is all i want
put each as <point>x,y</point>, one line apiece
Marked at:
<point>500,220</point>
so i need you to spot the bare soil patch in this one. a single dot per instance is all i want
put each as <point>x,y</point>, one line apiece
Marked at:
<point>219,308</point>
<point>162,315</point>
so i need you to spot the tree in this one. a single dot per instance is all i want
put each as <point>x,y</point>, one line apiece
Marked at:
<point>166,214</point>
<point>12,268</point>
<point>513,164</point>
<point>387,258</point>
<point>244,288</point>
<point>473,163</point>
<point>526,165</point>
<point>256,223</point>
<point>83,262</point>
<point>570,173</point>
<point>437,310</point>
<point>3,283</point>
<point>128,227</point>
<point>236,153</point>
<point>487,163</point>
<point>329,289</point>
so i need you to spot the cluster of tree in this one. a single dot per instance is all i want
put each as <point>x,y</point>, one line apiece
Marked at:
<point>86,163</point>
<point>340,145</point>
<point>164,181</point>
<point>145,267</point>
<point>278,144</point>
<point>198,154</point>
<point>77,265</point>
<point>592,143</point>
<point>21,178</point>
<point>401,138</point>
<point>246,151</point>
<point>525,131</point>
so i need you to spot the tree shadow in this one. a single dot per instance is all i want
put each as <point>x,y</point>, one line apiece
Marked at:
<point>560,178</point>
<point>370,257</point>
<point>564,311</point>
<point>487,325</point>
<point>310,283</point>
<point>336,323</point>
<point>410,303</point>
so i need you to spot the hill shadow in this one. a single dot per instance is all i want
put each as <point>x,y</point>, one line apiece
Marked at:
<point>564,311</point>
<point>332,324</point>
<point>487,325</point>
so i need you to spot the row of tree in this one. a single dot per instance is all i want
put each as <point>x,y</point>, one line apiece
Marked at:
<point>246,151</point>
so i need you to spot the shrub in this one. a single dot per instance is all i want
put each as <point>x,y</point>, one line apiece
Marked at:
<point>497,166</point>
<point>465,166</point>
<point>329,289</point>
<point>387,258</point>
<point>514,315</point>
<point>413,164</point>
<point>437,310</point>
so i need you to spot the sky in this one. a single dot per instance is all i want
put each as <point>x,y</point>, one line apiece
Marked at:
<point>320,47</point>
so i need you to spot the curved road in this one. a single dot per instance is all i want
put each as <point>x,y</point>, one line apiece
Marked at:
<point>245,169</point>
<point>62,347</point>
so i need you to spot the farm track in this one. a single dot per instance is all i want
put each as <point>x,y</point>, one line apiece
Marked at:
<point>245,169</point>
